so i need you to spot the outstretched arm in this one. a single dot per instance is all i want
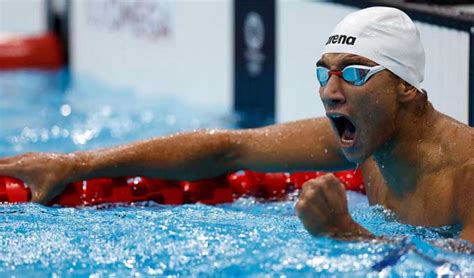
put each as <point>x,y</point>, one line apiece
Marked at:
<point>298,145</point>
<point>307,144</point>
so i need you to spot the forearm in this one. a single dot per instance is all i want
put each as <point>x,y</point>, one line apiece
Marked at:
<point>191,155</point>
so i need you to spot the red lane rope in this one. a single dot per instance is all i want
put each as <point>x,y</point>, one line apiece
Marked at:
<point>223,189</point>
<point>18,52</point>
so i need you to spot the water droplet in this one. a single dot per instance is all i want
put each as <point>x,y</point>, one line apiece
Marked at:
<point>55,131</point>
<point>65,133</point>
<point>44,135</point>
<point>65,110</point>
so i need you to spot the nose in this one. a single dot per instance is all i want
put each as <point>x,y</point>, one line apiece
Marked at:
<point>331,94</point>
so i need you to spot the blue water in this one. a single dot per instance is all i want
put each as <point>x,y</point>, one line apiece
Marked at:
<point>243,238</point>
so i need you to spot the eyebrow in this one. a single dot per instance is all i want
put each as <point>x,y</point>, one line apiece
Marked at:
<point>321,63</point>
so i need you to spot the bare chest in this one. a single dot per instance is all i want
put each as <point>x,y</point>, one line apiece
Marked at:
<point>429,204</point>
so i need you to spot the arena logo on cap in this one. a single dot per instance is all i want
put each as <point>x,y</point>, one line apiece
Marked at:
<point>341,39</point>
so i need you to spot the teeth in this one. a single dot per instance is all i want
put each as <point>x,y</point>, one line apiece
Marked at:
<point>346,141</point>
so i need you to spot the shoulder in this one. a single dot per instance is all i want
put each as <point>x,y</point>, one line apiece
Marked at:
<point>464,191</point>
<point>464,174</point>
<point>455,142</point>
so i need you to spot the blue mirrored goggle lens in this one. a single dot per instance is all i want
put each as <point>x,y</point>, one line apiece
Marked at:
<point>322,74</point>
<point>355,76</point>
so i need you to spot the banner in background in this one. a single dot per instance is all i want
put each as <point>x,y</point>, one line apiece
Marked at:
<point>254,62</point>
<point>144,19</point>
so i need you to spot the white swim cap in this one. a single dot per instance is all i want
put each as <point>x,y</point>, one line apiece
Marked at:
<point>384,35</point>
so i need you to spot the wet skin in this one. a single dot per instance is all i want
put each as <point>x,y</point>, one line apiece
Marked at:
<point>415,161</point>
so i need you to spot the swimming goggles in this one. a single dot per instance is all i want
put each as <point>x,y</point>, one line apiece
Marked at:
<point>354,74</point>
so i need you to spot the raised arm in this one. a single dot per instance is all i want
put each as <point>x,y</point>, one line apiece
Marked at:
<point>307,144</point>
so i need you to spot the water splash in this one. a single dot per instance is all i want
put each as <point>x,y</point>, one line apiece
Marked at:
<point>242,238</point>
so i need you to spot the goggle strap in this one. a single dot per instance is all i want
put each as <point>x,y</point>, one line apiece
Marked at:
<point>373,71</point>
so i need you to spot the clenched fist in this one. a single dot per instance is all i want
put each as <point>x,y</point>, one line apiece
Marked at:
<point>322,207</point>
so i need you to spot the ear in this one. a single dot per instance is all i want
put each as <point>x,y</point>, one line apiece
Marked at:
<point>407,92</point>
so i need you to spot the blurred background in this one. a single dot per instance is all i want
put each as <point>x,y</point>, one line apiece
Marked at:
<point>255,58</point>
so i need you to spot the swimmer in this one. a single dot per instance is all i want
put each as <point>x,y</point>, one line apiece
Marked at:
<point>415,160</point>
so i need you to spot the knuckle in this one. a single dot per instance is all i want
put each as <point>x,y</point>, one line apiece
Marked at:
<point>311,194</point>
<point>319,189</point>
<point>304,195</point>
<point>320,186</point>
<point>330,177</point>
<point>300,205</point>
<point>304,186</point>
<point>308,184</point>
<point>326,184</point>
<point>341,187</point>
<point>326,176</point>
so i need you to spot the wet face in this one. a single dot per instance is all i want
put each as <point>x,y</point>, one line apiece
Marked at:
<point>363,117</point>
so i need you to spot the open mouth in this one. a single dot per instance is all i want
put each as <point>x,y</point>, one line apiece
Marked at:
<point>345,128</point>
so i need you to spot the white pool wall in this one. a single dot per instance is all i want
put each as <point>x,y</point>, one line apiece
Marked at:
<point>191,60</point>
<point>194,60</point>
<point>23,17</point>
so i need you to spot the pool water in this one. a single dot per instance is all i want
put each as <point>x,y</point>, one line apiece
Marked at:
<point>244,238</point>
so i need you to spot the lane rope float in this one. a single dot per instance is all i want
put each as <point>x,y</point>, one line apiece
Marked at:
<point>223,189</point>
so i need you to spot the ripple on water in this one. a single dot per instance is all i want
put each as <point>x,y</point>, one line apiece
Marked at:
<point>246,237</point>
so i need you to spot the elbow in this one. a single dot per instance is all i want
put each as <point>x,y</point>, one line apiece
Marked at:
<point>227,150</point>
<point>211,153</point>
